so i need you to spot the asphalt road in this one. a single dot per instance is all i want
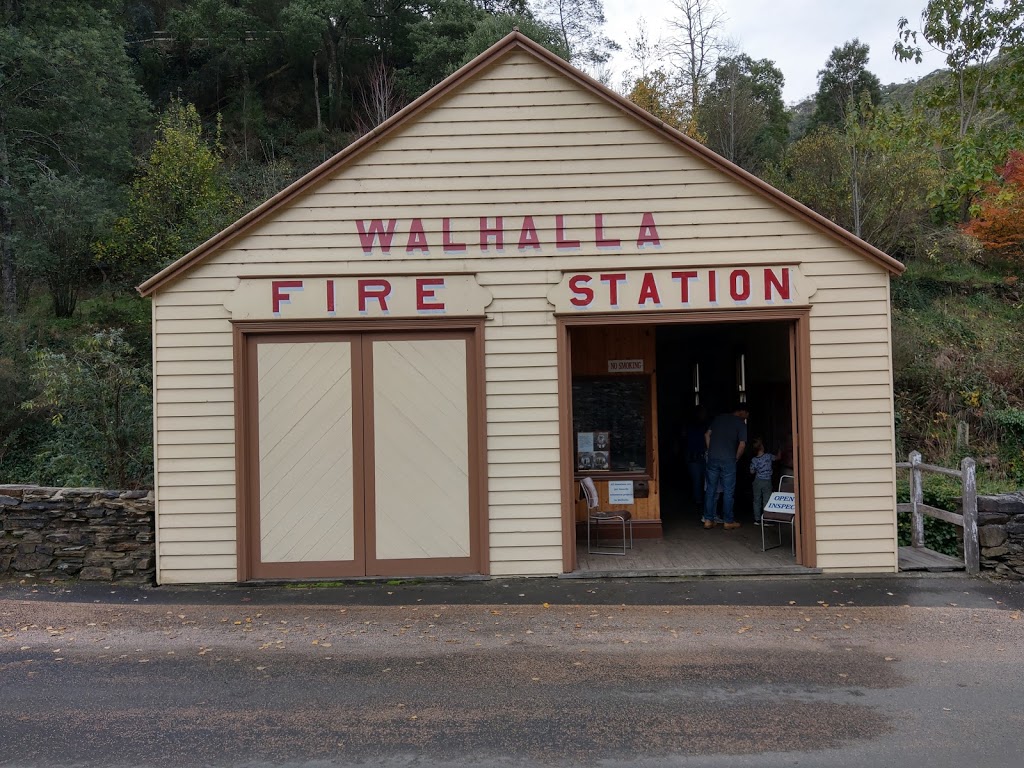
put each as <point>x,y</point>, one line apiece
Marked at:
<point>725,672</point>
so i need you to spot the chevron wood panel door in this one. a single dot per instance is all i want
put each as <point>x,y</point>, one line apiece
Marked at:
<point>420,520</point>
<point>310,510</point>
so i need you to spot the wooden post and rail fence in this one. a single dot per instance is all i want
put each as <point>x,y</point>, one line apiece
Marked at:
<point>968,520</point>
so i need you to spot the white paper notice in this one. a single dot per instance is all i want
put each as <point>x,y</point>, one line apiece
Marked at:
<point>620,491</point>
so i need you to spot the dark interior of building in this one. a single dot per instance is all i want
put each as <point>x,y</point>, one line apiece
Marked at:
<point>712,367</point>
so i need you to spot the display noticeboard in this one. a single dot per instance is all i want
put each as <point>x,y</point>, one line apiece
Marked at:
<point>620,407</point>
<point>593,451</point>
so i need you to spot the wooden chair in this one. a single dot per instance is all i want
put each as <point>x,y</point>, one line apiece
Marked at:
<point>596,517</point>
<point>780,518</point>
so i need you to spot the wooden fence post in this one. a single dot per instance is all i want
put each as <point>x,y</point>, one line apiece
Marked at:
<point>972,553</point>
<point>916,500</point>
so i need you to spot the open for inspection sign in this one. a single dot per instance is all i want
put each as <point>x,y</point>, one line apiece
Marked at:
<point>781,502</point>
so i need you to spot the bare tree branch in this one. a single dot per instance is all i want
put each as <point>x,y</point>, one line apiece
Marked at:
<point>696,43</point>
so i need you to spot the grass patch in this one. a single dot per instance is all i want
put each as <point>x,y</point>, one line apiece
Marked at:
<point>958,359</point>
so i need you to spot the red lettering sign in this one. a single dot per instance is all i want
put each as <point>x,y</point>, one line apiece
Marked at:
<point>648,234</point>
<point>739,285</point>
<point>600,239</point>
<point>426,299</point>
<point>330,297</point>
<point>684,279</point>
<point>561,241</point>
<point>496,233</point>
<point>582,294</point>
<point>417,238</point>
<point>649,290</point>
<point>378,289</point>
<point>279,290</point>
<point>376,230</point>
<point>528,235</point>
<point>780,285</point>
<point>712,286</point>
<point>449,245</point>
<point>613,281</point>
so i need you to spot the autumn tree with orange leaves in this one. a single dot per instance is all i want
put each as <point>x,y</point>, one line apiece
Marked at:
<point>998,220</point>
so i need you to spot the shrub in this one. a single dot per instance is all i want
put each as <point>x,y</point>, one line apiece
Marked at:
<point>98,400</point>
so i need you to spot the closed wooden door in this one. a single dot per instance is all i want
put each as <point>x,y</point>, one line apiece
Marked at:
<point>361,460</point>
<point>308,482</point>
<point>420,517</point>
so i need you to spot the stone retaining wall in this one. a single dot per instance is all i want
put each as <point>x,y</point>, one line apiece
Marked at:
<point>1001,534</point>
<point>76,532</point>
<point>108,535</point>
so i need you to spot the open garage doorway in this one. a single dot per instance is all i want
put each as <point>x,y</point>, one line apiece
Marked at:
<point>704,370</point>
<point>641,397</point>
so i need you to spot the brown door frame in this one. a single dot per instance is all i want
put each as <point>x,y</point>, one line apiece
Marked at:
<point>358,331</point>
<point>800,392</point>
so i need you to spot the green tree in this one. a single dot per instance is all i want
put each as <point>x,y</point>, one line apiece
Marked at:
<point>742,114</point>
<point>491,29</point>
<point>978,108</point>
<point>655,93</point>
<point>226,43</point>
<point>180,199</point>
<point>970,34</point>
<point>322,32</point>
<point>66,215</point>
<point>69,109</point>
<point>842,85</point>
<point>580,22</point>
<point>439,42</point>
<point>99,401</point>
<point>873,179</point>
<point>815,171</point>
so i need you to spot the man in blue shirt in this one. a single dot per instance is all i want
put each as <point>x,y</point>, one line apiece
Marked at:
<point>726,439</point>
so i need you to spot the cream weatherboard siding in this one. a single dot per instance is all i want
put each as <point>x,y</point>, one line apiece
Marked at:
<point>521,139</point>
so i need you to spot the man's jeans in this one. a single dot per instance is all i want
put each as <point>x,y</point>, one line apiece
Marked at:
<point>724,471</point>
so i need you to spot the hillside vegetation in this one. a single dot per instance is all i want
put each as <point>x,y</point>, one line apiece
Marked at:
<point>132,130</point>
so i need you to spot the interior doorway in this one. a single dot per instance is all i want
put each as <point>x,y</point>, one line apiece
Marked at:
<point>707,369</point>
<point>683,362</point>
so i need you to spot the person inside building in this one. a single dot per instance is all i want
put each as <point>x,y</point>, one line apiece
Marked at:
<point>761,468</point>
<point>725,439</point>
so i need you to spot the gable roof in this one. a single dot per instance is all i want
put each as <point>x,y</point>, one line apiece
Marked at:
<point>515,41</point>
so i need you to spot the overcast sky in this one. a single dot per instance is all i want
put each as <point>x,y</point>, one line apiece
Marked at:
<point>798,35</point>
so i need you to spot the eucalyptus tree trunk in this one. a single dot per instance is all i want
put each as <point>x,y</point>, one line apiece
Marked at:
<point>316,96</point>
<point>8,275</point>
<point>333,81</point>
<point>855,191</point>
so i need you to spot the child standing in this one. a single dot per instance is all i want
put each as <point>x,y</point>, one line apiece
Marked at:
<point>761,469</point>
